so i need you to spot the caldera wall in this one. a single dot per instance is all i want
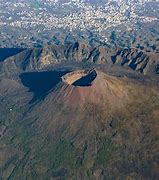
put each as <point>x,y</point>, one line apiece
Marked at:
<point>80,77</point>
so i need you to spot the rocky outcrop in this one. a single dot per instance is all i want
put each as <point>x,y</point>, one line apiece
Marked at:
<point>39,58</point>
<point>135,59</point>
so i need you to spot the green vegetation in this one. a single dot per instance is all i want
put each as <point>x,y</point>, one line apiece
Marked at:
<point>64,154</point>
<point>57,155</point>
<point>105,152</point>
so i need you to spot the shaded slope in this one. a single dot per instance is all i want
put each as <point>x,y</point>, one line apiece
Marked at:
<point>7,52</point>
<point>39,58</point>
<point>40,83</point>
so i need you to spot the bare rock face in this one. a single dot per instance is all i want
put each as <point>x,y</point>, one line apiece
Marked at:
<point>39,58</point>
<point>137,60</point>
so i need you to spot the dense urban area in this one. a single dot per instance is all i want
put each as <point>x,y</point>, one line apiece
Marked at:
<point>30,22</point>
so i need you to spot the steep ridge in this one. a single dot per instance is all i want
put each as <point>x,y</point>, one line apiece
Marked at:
<point>39,58</point>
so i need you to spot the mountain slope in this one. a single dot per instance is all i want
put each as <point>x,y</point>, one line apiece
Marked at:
<point>89,125</point>
<point>39,58</point>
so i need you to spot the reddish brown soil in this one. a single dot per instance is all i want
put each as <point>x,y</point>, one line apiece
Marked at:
<point>103,89</point>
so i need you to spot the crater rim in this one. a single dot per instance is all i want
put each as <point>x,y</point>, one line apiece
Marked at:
<point>80,77</point>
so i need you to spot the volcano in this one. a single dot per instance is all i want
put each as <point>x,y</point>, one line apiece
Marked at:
<point>78,124</point>
<point>91,86</point>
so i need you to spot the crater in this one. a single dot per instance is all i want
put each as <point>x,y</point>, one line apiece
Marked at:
<point>80,78</point>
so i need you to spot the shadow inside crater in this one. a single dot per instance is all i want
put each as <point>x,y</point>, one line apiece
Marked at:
<point>85,80</point>
<point>40,83</point>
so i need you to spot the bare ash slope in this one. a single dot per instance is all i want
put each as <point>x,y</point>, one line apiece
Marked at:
<point>91,86</point>
<point>90,125</point>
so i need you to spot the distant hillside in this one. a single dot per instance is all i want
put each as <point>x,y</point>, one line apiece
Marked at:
<point>50,55</point>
